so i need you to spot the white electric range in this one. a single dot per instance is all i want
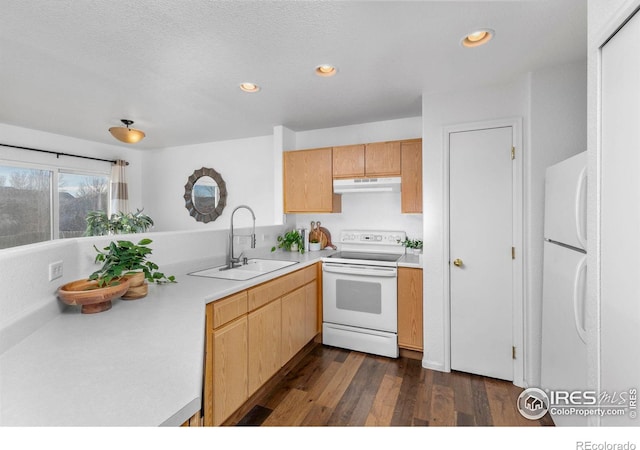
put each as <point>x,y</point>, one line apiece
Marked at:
<point>360,292</point>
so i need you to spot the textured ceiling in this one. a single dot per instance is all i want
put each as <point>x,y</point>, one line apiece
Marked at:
<point>76,67</point>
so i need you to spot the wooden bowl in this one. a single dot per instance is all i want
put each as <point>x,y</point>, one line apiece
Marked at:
<point>92,298</point>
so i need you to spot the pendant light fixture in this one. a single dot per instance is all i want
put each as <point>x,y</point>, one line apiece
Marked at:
<point>126,134</point>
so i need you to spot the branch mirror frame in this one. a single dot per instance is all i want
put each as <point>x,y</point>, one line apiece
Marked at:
<point>199,210</point>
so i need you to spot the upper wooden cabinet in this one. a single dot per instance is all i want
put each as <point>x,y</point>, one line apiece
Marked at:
<point>308,182</point>
<point>348,161</point>
<point>309,174</point>
<point>411,155</point>
<point>380,159</point>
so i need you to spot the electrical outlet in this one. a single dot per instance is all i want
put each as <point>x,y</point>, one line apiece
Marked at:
<point>55,270</point>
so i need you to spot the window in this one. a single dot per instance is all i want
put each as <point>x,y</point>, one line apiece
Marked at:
<point>78,194</point>
<point>38,204</point>
<point>25,206</point>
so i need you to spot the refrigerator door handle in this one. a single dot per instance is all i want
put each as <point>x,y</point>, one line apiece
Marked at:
<point>582,184</point>
<point>582,332</point>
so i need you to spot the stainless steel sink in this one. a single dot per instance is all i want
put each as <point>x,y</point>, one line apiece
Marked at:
<point>254,268</point>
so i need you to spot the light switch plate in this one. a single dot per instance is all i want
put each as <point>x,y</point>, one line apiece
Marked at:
<point>55,270</point>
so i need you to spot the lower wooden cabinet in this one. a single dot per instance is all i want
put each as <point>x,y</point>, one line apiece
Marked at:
<point>410,308</point>
<point>265,335</point>
<point>230,362</point>
<point>293,323</point>
<point>252,334</point>
<point>312,302</point>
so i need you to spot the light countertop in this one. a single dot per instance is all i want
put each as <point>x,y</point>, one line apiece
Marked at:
<point>410,260</point>
<point>138,364</point>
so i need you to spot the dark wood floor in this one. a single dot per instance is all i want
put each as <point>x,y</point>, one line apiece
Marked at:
<point>337,387</point>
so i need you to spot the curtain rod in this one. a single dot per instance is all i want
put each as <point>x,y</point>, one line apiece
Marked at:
<point>59,154</point>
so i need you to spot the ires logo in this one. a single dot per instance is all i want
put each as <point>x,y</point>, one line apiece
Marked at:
<point>534,403</point>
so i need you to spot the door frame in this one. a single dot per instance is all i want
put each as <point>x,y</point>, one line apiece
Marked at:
<point>518,325</point>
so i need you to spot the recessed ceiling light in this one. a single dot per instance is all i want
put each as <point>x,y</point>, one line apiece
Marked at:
<point>249,87</point>
<point>326,70</point>
<point>478,37</point>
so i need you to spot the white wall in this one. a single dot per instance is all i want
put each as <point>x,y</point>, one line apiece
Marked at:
<point>246,165</point>
<point>362,211</point>
<point>558,130</point>
<point>552,103</point>
<point>25,306</point>
<point>439,111</point>
<point>25,137</point>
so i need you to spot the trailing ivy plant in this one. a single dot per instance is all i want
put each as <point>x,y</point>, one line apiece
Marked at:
<point>99,224</point>
<point>120,258</point>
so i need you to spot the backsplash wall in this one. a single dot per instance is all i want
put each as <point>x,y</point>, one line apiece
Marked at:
<point>364,211</point>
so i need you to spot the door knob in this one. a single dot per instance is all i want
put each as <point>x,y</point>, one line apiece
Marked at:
<point>457,262</point>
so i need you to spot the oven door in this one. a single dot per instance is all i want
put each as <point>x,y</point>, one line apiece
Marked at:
<point>360,296</point>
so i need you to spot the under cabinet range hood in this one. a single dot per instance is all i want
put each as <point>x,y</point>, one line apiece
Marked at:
<point>387,184</point>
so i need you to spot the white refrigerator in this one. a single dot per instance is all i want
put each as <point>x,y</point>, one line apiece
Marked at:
<point>564,350</point>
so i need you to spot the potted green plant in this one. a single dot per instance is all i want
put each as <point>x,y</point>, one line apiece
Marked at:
<point>291,241</point>
<point>413,245</point>
<point>314,245</point>
<point>126,259</point>
<point>99,224</point>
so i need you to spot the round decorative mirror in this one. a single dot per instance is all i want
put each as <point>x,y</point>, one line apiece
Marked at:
<point>205,195</point>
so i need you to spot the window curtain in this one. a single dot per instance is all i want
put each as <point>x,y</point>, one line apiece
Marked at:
<point>119,191</point>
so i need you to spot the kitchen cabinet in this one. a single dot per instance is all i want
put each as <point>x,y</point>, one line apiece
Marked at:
<point>312,301</point>
<point>308,182</point>
<point>299,319</point>
<point>382,159</point>
<point>410,308</point>
<point>411,173</point>
<point>379,159</point>
<point>348,161</point>
<point>265,330</point>
<point>230,350</point>
<point>294,324</point>
<point>252,334</point>
<point>225,357</point>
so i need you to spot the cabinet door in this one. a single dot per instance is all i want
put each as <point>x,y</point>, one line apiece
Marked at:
<point>411,156</point>
<point>311,311</point>
<point>382,159</point>
<point>265,326</point>
<point>229,369</point>
<point>308,181</point>
<point>348,161</point>
<point>293,323</point>
<point>410,308</point>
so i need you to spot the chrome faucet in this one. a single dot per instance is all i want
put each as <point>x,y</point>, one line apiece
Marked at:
<point>230,259</point>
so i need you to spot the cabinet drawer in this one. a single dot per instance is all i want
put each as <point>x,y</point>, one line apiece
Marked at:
<point>229,308</point>
<point>271,290</point>
<point>309,274</point>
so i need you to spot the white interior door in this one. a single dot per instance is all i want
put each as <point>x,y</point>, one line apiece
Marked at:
<point>480,249</point>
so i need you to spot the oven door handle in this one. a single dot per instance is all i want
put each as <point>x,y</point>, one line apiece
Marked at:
<point>367,271</point>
